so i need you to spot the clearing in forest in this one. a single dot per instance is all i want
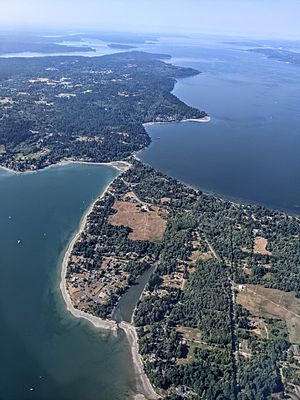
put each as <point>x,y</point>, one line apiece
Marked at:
<point>270,303</point>
<point>145,221</point>
<point>260,245</point>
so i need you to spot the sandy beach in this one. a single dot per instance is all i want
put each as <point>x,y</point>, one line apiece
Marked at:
<point>121,166</point>
<point>96,321</point>
<point>144,387</point>
<point>204,119</point>
<point>143,383</point>
<point>118,165</point>
<point>11,171</point>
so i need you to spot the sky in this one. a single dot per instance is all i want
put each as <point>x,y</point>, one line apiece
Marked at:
<point>252,18</point>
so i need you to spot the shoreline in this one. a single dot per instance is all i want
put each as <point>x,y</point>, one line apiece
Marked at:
<point>118,165</point>
<point>205,119</point>
<point>143,382</point>
<point>222,196</point>
<point>143,385</point>
<point>97,322</point>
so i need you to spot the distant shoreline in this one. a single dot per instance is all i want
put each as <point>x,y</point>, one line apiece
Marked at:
<point>118,165</point>
<point>205,119</point>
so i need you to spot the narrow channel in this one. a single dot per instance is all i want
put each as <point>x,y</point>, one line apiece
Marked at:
<point>125,308</point>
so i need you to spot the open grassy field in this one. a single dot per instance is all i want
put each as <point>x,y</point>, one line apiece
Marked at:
<point>264,302</point>
<point>146,224</point>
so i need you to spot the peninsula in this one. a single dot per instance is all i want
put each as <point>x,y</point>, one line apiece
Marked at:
<point>221,308</point>
<point>219,317</point>
<point>84,109</point>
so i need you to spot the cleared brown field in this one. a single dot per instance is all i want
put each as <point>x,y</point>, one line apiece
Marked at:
<point>189,333</point>
<point>145,224</point>
<point>265,302</point>
<point>260,245</point>
<point>165,200</point>
<point>294,392</point>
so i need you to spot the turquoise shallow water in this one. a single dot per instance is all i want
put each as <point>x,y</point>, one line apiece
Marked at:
<point>41,345</point>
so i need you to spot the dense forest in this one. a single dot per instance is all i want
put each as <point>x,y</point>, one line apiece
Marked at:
<point>80,108</point>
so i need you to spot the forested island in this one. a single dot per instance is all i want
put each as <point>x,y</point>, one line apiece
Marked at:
<point>272,50</point>
<point>84,109</point>
<point>19,43</point>
<point>289,57</point>
<point>218,318</point>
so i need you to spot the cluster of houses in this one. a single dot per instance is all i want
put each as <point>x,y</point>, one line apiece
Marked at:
<point>99,284</point>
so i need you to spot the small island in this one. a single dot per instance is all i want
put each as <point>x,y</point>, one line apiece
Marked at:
<point>121,46</point>
<point>286,56</point>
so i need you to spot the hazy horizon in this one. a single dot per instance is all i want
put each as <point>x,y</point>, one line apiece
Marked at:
<point>247,18</point>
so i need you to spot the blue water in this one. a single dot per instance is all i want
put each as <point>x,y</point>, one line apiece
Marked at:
<point>250,151</point>
<point>41,345</point>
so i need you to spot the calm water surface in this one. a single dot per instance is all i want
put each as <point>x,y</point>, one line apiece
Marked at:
<point>251,149</point>
<point>41,345</point>
<point>125,309</point>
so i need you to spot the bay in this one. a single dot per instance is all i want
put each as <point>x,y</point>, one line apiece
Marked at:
<point>42,346</point>
<point>250,151</point>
